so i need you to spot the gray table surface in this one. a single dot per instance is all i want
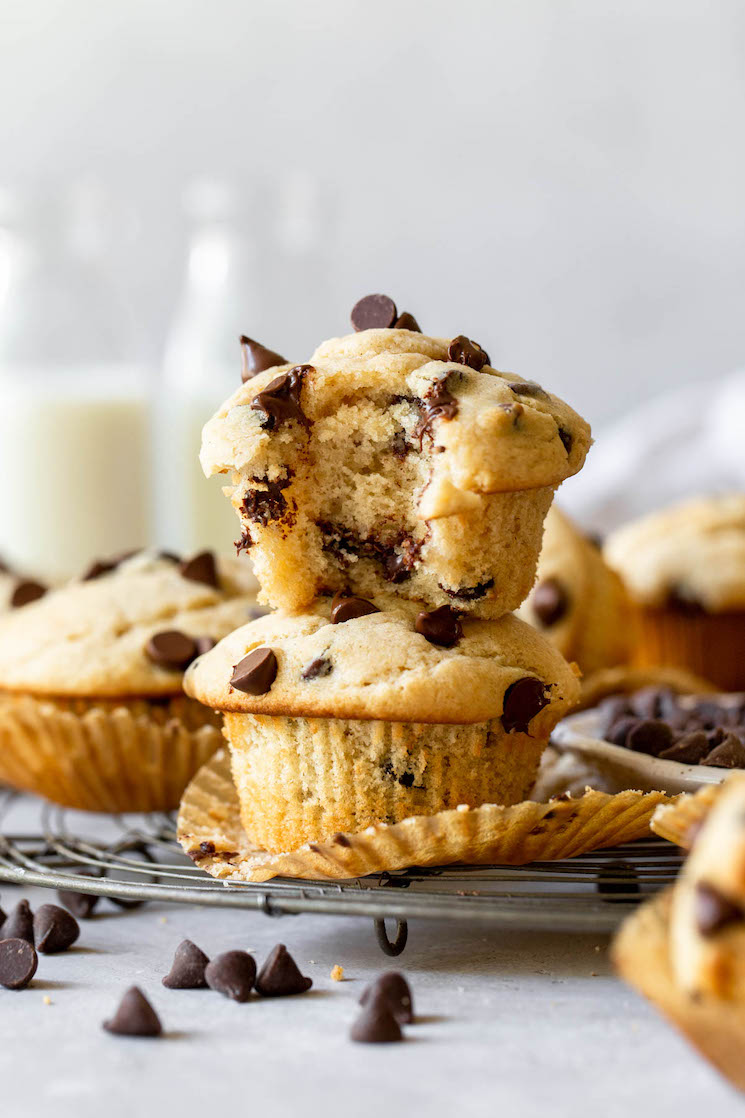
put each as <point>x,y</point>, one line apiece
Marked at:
<point>522,1024</point>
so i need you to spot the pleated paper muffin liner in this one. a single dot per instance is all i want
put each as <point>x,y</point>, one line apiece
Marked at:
<point>680,822</point>
<point>105,755</point>
<point>710,644</point>
<point>641,954</point>
<point>211,833</point>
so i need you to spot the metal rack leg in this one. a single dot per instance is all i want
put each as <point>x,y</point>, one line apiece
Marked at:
<point>392,947</point>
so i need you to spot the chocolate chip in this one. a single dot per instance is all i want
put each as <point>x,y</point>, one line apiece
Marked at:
<point>528,388</point>
<point>466,352</point>
<point>439,626</point>
<point>98,568</point>
<point>523,699</point>
<point>55,929</point>
<point>80,905</point>
<point>317,668</point>
<point>134,1017</point>
<point>263,506</point>
<point>201,568</point>
<point>618,732</point>
<point>348,609</point>
<point>469,593</point>
<point>376,1024</point>
<point>407,321</point>
<point>18,963</point>
<point>438,403</point>
<point>514,411</point>
<point>399,444</point>
<point>232,974</point>
<point>646,702</point>
<point>393,988</point>
<point>373,312</point>
<point>25,592</point>
<point>204,645</point>
<point>280,400</point>
<point>171,649</point>
<point>729,754</point>
<point>567,439</point>
<point>187,969</point>
<point>550,602</point>
<point>256,672</point>
<point>256,358</point>
<point>280,976</point>
<point>650,736</point>
<point>689,750</point>
<point>20,924</point>
<point>714,911</point>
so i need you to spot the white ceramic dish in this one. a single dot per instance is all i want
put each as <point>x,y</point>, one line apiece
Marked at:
<point>623,768</point>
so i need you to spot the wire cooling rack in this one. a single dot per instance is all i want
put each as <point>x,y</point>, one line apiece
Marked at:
<point>137,858</point>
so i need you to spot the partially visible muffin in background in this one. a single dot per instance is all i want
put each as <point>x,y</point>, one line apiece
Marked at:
<point>578,602</point>
<point>92,712</point>
<point>684,567</point>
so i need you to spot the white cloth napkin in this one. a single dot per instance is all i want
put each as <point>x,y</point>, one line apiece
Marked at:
<point>675,446</point>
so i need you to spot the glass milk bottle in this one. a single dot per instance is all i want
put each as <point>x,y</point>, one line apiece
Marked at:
<point>74,406</point>
<point>202,367</point>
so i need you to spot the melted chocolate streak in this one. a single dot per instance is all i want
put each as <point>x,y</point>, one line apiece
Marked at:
<point>437,404</point>
<point>265,505</point>
<point>398,559</point>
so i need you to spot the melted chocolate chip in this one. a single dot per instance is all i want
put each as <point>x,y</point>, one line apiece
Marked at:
<point>393,988</point>
<point>187,969</point>
<point>171,649</point>
<point>437,404</point>
<point>399,444</point>
<point>376,1024</point>
<point>469,593</point>
<point>714,911</point>
<point>256,358</point>
<point>232,974</point>
<point>439,626</point>
<point>18,963</point>
<point>567,439</point>
<point>279,977</point>
<point>373,312</point>
<point>25,592</point>
<point>20,923</point>
<point>256,672</point>
<point>550,602</point>
<point>407,321</point>
<point>134,1016</point>
<point>523,699</point>
<point>466,352</point>
<point>280,400</point>
<point>267,504</point>
<point>317,668</point>
<point>528,388</point>
<point>201,568</point>
<point>349,609</point>
<point>55,929</point>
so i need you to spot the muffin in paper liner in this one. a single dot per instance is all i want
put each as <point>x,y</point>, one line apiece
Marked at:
<point>681,821</point>
<point>641,955</point>
<point>710,644</point>
<point>211,833</point>
<point>105,755</point>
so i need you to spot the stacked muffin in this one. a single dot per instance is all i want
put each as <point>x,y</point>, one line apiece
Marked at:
<point>392,494</point>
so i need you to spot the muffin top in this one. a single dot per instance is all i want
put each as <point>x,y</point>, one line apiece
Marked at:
<point>494,431</point>
<point>691,554</point>
<point>578,602</point>
<point>387,659</point>
<point>128,628</point>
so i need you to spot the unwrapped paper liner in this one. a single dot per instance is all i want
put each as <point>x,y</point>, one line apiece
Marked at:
<point>642,957</point>
<point>679,822</point>
<point>210,831</point>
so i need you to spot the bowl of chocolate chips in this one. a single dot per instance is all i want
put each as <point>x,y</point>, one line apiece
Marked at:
<point>657,740</point>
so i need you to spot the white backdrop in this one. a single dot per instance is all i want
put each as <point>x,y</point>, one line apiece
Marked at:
<point>565,182</point>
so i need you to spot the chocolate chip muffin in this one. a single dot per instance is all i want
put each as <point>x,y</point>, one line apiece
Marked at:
<point>707,925</point>
<point>92,712</point>
<point>371,711</point>
<point>578,602</point>
<point>684,567</point>
<point>396,463</point>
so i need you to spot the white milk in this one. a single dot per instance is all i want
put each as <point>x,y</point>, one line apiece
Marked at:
<point>75,474</point>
